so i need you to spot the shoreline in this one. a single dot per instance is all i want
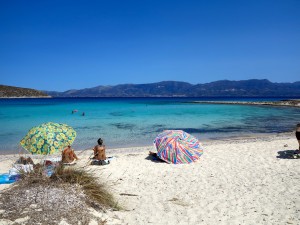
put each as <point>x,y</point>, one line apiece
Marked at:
<point>139,149</point>
<point>144,149</point>
<point>243,137</point>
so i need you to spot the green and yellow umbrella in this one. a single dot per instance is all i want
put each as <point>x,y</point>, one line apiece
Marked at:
<point>48,138</point>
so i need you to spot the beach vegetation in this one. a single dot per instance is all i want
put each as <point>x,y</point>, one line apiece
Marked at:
<point>98,193</point>
<point>68,194</point>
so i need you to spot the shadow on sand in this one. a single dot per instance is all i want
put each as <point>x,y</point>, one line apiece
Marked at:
<point>288,154</point>
<point>154,159</point>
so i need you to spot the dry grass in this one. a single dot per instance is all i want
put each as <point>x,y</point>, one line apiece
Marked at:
<point>67,195</point>
<point>98,194</point>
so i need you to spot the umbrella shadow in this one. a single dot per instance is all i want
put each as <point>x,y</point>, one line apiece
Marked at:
<point>154,159</point>
<point>287,154</point>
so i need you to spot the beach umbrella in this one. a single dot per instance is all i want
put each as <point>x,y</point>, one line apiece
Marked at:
<point>177,147</point>
<point>48,138</point>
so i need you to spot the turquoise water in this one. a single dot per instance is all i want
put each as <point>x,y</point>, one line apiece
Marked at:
<point>136,121</point>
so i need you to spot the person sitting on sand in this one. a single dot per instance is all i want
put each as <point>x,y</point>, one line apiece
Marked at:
<point>154,154</point>
<point>297,133</point>
<point>99,150</point>
<point>100,155</point>
<point>68,155</point>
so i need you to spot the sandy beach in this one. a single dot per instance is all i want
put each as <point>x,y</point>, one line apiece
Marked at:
<point>236,181</point>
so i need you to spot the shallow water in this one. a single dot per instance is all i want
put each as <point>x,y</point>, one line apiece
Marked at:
<point>124,122</point>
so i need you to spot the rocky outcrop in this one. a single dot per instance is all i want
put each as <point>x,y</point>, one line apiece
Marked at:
<point>17,92</point>
<point>292,102</point>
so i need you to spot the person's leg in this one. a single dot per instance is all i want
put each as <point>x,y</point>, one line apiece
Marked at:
<point>74,155</point>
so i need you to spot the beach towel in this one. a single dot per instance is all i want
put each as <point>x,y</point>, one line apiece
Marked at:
<point>100,162</point>
<point>6,178</point>
<point>70,164</point>
<point>110,158</point>
<point>14,173</point>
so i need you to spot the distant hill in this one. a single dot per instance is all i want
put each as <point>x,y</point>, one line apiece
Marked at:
<point>222,88</point>
<point>10,92</point>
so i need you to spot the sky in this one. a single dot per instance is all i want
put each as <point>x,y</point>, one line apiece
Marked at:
<point>61,45</point>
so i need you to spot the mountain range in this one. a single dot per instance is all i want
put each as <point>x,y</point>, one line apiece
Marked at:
<point>222,88</point>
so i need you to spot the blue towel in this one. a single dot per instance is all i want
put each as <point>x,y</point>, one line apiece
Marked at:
<point>5,178</point>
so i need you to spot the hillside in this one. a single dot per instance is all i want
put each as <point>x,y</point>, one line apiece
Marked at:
<point>17,92</point>
<point>223,88</point>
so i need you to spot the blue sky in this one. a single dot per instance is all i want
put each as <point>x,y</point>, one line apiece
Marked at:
<point>61,45</point>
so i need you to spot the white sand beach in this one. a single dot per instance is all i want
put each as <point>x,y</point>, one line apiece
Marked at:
<point>243,181</point>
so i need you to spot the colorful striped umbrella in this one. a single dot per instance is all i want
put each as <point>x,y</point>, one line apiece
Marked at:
<point>48,138</point>
<point>177,147</point>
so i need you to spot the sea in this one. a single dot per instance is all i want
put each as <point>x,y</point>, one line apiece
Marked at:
<point>133,122</point>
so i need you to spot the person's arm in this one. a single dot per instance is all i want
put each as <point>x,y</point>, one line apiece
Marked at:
<point>95,151</point>
<point>74,155</point>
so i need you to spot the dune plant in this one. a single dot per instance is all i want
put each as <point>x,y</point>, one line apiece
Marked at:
<point>97,194</point>
<point>65,195</point>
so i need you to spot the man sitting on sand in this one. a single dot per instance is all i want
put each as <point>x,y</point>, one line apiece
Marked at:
<point>68,155</point>
<point>99,150</point>
<point>99,154</point>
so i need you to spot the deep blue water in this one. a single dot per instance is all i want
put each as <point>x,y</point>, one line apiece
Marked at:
<point>136,121</point>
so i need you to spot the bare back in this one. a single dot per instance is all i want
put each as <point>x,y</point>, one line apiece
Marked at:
<point>68,155</point>
<point>99,152</point>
